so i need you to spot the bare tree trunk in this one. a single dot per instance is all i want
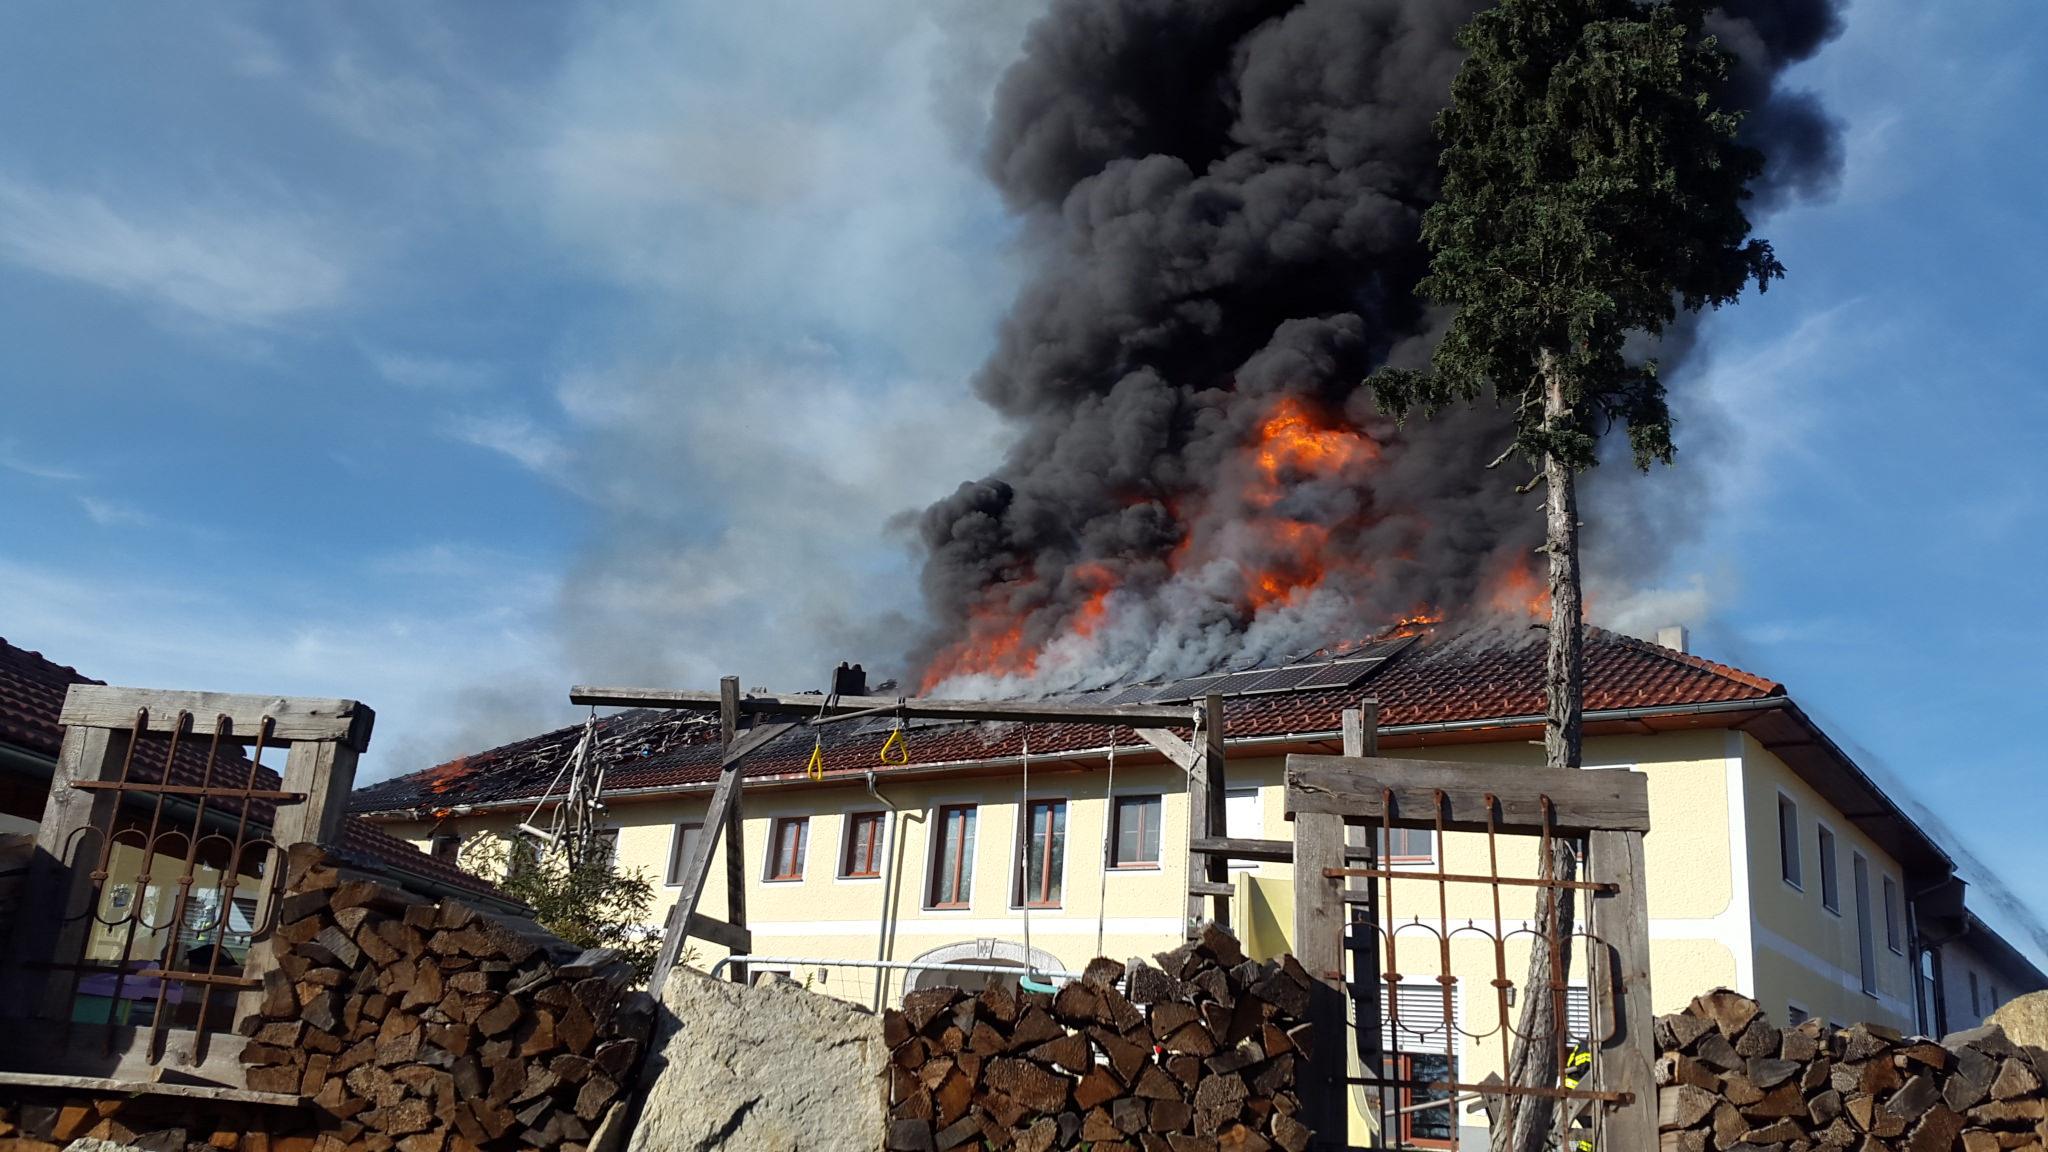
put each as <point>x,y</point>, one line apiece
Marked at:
<point>1526,1123</point>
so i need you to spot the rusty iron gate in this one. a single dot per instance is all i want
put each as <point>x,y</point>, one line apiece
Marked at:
<point>151,893</point>
<point>1401,1004</point>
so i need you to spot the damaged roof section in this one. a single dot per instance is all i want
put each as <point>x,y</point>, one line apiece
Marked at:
<point>1417,683</point>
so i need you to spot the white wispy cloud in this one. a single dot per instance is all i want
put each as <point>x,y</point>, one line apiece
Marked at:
<point>534,448</point>
<point>114,513</point>
<point>14,459</point>
<point>410,646</point>
<point>429,373</point>
<point>227,263</point>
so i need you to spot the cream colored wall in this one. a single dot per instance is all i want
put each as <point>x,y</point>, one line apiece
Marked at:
<point>1700,929</point>
<point>1141,910</point>
<point>1805,954</point>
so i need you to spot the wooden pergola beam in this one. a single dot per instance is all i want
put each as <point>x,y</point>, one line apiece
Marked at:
<point>908,707</point>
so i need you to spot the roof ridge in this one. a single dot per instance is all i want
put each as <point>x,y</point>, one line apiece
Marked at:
<point>80,677</point>
<point>1700,663</point>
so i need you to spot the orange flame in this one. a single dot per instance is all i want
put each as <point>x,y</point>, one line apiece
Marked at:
<point>1294,443</point>
<point>1291,443</point>
<point>994,645</point>
<point>1518,591</point>
<point>1419,620</point>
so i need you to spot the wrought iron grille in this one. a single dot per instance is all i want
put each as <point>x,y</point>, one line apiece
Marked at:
<point>178,861</point>
<point>1409,1028</point>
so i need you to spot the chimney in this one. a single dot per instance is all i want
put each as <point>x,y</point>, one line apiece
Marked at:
<point>1673,637</point>
<point>849,681</point>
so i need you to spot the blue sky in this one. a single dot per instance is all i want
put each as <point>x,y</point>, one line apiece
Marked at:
<point>445,357</point>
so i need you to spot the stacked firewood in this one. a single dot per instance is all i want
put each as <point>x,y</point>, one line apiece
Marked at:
<point>1729,1079</point>
<point>1196,1055</point>
<point>429,1026</point>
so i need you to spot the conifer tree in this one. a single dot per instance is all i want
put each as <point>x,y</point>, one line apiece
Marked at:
<point>1593,188</point>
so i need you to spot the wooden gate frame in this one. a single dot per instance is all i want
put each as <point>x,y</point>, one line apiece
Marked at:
<point>1609,806</point>
<point>324,738</point>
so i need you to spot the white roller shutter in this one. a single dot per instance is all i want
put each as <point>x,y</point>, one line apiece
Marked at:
<point>1421,1026</point>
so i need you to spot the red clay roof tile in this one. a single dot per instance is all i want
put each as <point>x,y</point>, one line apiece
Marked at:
<point>1429,682</point>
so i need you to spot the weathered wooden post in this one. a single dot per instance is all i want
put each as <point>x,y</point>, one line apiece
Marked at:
<point>1319,923</point>
<point>1619,923</point>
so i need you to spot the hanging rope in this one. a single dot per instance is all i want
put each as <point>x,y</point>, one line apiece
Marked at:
<point>1188,857</point>
<point>1024,857</point>
<point>1108,843</point>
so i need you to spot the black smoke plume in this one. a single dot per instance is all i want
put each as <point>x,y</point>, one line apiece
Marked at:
<point>1222,201</point>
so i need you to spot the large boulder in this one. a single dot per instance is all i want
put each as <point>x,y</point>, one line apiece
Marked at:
<point>767,1068</point>
<point>2024,1018</point>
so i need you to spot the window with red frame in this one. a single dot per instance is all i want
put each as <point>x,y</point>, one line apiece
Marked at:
<point>786,846</point>
<point>863,845</point>
<point>953,857</point>
<point>1044,847</point>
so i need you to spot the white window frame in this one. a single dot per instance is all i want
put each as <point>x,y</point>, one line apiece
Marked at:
<point>1418,863</point>
<point>1790,868</point>
<point>1258,798</point>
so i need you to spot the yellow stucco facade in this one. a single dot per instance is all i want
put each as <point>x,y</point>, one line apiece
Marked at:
<point>1720,912</point>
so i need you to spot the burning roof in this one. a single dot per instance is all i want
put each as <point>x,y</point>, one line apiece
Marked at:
<point>1417,680</point>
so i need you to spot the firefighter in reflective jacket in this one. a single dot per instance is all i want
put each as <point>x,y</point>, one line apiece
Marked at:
<point>1576,1066</point>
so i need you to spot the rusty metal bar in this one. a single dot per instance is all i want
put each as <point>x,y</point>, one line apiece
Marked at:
<point>200,978</point>
<point>187,790</point>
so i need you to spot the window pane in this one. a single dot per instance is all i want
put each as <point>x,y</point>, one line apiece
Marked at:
<point>1866,950</point>
<point>1045,852</point>
<point>1892,935</point>
<point>863,845</point>
<point>683,847</point>
<point>1830,886</point>
<point>955,856</point>
<point>787,845</point>
<point>1429,1123</point>
<point>1137,831</point>
<point>1788,840</point>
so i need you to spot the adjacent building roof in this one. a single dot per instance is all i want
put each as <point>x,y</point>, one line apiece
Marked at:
<point>32,689</point>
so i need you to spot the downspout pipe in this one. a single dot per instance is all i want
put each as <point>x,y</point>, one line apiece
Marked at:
<point>889,880</point>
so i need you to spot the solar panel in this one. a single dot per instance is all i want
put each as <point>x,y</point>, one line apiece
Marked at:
<point>1340,673</point>
<point>1282,679</point>
<point>1189,689</point>
<point>1135,694</point>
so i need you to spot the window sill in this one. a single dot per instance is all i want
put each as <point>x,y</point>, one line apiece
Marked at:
<point>859,878</point>
<point>782,880</point>
<point>1794,885</point>
<point>1116,868</point>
